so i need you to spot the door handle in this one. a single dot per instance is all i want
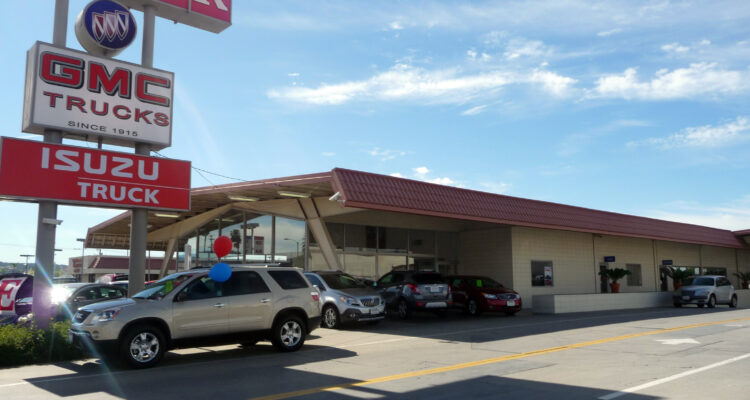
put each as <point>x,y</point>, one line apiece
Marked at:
<point>219,305</point>
<point>265,300</point>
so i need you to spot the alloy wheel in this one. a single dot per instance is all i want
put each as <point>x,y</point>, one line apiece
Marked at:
<point>144,347</point>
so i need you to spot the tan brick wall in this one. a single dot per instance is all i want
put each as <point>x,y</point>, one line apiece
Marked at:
<point>488,253</point>
<point>628,251</point>
<point>572,259</point>
<point>682,254</point>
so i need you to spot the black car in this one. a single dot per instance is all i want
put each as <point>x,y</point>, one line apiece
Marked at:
<point>67,298</point>
<point>409,291</point>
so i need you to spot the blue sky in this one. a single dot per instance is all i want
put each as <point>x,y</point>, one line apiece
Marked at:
<point>639,107</point>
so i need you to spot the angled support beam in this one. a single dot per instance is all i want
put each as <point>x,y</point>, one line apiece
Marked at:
<point>188,226</point>
<point>320,232</point>
<point>168,254</point>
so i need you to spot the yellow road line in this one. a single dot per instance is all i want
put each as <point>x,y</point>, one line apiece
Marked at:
<point>487,361</point>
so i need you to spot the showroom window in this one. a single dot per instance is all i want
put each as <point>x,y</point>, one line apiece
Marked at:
<point>541,273</point>
<point>635,278</point>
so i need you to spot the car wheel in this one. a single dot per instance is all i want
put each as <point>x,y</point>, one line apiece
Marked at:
<point>288,333</point>
<point>711,301</point>
<point>678,305</point>
<point>143,346</point>
<point>403,309</point>
<point>472,308</point>
<point>733,302</point>
<point>331,318</point>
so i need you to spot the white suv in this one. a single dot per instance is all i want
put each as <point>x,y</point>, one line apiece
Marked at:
<point>705,290</point>
<point>189,309</point>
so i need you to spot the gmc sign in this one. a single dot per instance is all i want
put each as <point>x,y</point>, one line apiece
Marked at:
<point>33,171</point>
<point>97,97</point>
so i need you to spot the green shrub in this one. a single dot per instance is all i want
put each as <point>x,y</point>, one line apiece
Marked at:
<point>21,345</point>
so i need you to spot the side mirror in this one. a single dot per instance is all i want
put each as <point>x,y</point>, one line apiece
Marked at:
<point>181,296</point>
<point>320,288</point>
<point>79,298</point>
<point>374,284</point>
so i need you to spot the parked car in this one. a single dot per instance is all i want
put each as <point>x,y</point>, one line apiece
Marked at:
<point>122,284</point>
<point>67,298</point>
<point>409,291</point>
<point>13,288</point>
<point>476,294</point>
<point>705,290</point>
<point>190,309</point>
<point>346,299</point>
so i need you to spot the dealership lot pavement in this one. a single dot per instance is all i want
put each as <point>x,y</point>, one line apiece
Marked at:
<point>637,354</point>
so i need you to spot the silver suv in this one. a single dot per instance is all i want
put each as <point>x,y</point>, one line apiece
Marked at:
<point>708,290</point>
<point>409,291</point>
<point>345,299</point>
<point>189,309</point>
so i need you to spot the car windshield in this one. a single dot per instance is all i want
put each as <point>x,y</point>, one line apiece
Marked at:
<point>484,282</point>
<point>428,278</point>
<point>698,281</point>
<point>162,287</point>
<point>342,281</point>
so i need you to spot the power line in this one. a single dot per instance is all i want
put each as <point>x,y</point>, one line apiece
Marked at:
<point>200,170</point>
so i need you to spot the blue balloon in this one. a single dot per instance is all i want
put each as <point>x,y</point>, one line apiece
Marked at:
<point>220,272</point>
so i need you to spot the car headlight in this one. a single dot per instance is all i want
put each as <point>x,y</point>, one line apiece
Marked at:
<point>490,296</point>
<point>106,315</point>
<point>350,301</point>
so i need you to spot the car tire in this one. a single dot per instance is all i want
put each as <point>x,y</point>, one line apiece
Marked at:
<point>733,301</point>
<point>402,308</point>
<point>331,318</point>
<point>288,333</point>
<point>472,308</point>
<point>142,346</point>
<point>711,302</point>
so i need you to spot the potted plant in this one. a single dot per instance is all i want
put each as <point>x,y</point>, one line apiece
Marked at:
<point>744,278</point>
<point>677,275</point>
<point>615,275</point>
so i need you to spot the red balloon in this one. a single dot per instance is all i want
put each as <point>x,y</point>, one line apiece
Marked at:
<point>222,246</point>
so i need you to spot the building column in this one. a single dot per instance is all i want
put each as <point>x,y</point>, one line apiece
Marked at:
<point>168,253</point>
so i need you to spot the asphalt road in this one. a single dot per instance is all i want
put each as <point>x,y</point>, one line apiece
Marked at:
<point>643,354</point>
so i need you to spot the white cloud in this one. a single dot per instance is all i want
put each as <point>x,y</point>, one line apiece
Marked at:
<point>474,110</point>
<point>293,74</point>
<point>675,48</point>
<point>705,42</point>
<point>396,26</point>
<point>397,175</point>
<point>441,181</point>
<point>609,32</point>
<point>519,47</point>
<point>706,136</point>
<point>406,82</point>
<point>421,171</point>
<point>327,154</point>
<point>733,215</point>
<point>700,79</point>
<point>386,154</point>
<point>495,187</point>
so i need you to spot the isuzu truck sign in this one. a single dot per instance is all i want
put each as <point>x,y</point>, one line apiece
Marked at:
<point>31,170</point>
<point>94,97</point>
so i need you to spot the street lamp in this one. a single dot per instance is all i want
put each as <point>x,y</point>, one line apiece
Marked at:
<point>295,241</point>
<point>83,247</point>
<point>26,267</point>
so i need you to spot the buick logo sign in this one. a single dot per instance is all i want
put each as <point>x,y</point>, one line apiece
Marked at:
<point>105,28</point>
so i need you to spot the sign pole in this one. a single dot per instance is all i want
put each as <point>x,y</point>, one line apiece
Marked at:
<point>44,268</point>
<point>139,216</point>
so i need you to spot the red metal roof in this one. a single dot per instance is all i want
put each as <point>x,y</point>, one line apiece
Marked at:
<point>382,192</point>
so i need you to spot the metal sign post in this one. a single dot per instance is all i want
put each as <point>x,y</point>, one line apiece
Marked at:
<point>44,268</point>
<point>139,217</point>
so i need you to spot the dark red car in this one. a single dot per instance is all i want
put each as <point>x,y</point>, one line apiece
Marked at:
<point>476,294</point>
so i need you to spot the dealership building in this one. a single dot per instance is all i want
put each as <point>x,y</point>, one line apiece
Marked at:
<point>368,224</point>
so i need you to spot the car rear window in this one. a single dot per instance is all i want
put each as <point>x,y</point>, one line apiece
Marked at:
<point>428,278</point>
<point>288,279</point>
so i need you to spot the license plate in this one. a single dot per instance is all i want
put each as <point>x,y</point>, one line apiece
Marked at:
<point>366,311</point>
<point>511,303</point>
<point>436,305</point>
<point>434,289</point>
<point>686,297</point>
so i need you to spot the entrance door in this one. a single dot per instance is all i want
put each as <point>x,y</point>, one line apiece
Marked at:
<point>603,279</point>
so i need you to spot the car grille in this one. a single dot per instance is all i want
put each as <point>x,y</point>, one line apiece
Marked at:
<point>370,301</point>
<point>81,316</point>
<point>506,296</point>
<point>688,292</point>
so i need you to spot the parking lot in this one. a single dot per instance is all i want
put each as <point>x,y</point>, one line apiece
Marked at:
<point>654,353</point>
